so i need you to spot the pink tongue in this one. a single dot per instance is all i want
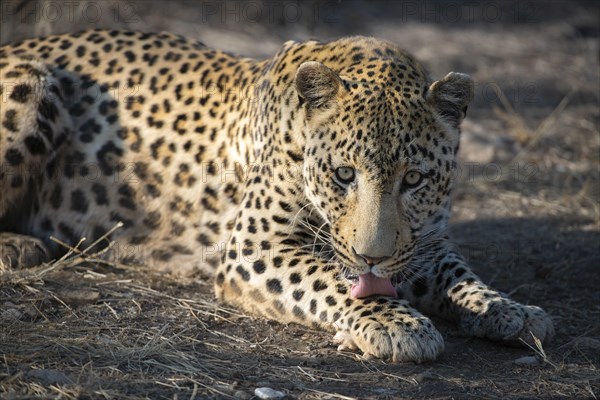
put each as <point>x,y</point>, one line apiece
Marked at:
<point>369,285</point>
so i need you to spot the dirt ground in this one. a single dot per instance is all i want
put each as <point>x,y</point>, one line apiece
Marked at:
<point>526,215</point>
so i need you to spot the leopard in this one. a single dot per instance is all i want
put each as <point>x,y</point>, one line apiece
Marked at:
<point>313,186</point>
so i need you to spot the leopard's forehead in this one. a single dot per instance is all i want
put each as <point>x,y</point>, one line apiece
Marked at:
<point>380,129</point>
<point>394,73</point>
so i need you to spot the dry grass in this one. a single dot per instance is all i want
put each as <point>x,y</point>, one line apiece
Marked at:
<point>77,328</point>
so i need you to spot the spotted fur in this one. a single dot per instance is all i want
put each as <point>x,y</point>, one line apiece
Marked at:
<point>231,166</point>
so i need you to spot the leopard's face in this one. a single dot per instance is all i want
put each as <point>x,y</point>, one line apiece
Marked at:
<point>378,164</point>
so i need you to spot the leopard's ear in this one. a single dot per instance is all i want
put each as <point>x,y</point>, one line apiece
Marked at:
<point>450,97</point>
<point>316,84</point>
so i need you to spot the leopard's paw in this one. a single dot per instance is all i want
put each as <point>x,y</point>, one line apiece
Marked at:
<point>395,332</point>
<point>510,322</point>
<point>537,323</point>
<point>20,251</point>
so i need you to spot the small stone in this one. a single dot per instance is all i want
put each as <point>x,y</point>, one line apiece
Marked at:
<point>268,393</point>
<point>11,314</point>
<point>527,360</point>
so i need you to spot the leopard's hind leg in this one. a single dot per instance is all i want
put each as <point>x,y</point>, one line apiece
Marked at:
<point>33,127</point>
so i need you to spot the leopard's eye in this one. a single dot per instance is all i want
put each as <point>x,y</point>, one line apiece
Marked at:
<point>412,179</point>
<point>345,175</point>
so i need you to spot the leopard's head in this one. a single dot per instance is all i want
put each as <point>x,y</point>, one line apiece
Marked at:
<point>380,157</point>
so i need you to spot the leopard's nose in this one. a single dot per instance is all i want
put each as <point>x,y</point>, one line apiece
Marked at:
<point>370,260</point>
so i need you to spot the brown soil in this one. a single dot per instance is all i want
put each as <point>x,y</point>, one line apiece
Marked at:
<point>527,216</point>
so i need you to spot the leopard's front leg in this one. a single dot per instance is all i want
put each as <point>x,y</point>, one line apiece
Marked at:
<point>290,285</point>
<point>447,287</point>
